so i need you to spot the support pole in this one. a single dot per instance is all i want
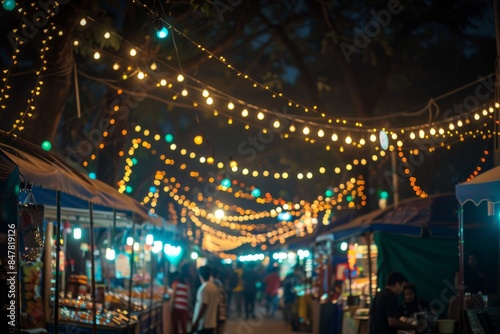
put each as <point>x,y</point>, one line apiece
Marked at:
<point>395,181</point>
<point>131,275</point>
<point>370,269</point>
<point>92,269</point>
<point>496,11</point>
<point>58,251</point>
<point>460,267</point>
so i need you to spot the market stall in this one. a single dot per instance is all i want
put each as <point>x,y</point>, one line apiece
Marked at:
<point>417,238</point>
<point>36,170</point>
<point>481,193</point>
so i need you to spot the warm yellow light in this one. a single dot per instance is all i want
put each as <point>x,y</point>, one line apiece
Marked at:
<point>260,116</point>
<point>322,170</point>
<point>306,130</point>
<point>300,176</point>
<point>116,66</point>
<point>184,92</point>
<point>180,78</point>
<point>276,124</point>
<point>292,128</point>
<point>373,138</point>
<point>230,106</point>
<point>412,135</point>
<point>97,55</point>
<point>83,22</point>
<point>244,113</point>
<point>140,75</point>
<point>163,82</point>
<point>198,140</point>
<point>348,140</point>
<point>107,35</point>
<point>133,52</point>
<point>210,101</point>
<point>321,133</point>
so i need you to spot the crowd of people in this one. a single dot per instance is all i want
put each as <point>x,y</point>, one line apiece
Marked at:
<point>203,300</point>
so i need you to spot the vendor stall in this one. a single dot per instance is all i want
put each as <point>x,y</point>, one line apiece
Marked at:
<point>40,229</point>
<point>417,238</point>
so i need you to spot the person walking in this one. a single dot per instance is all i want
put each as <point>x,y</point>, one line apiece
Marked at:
<point>180,303</point>
<point>384,309</point>
<point>250,279</point>
<point>273,282</point>
<point>222,308</point>
<point>238,289</point>
<point>207,302</point>
<point>289,284</point>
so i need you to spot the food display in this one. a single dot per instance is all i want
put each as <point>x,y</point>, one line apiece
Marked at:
<point>107,317</point>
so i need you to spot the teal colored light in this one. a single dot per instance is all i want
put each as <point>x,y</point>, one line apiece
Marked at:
<point>128,189</point>
<point>349,198</point>
<point>92,175</point>
<point>17,189</point>
<point>134,161</point>
<point>384,194</point>
<point>162,33</point>
<point>329,193</point>
<point>9,4</point>
<point>46,145</point>
<point>152,189</point>
<point>256,192</point>
<point>169,138</point>
<point>226,183</point>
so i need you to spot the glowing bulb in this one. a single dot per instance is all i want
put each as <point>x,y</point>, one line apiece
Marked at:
<point>219,213</point>
<point>153,67</point>
<point>83,22</point>
<point>97,55</point>
<point>306,130</point>
<point>198,140</point>
<point>140,75</point>
<point>210,101</point>
<point>180,78</point>
<point>205,93</point>
<point>321,133</point>
<point>230,106</point>
<point>133,52</point>
<point>184,92</point>
<point>260,116</point>
<point>244,113</point>
<point>348,140</point>
<point>107,35</point>
<point>116,66</point>
<point>335,137</point>
<point>162,33</point>
<point>276,124</point>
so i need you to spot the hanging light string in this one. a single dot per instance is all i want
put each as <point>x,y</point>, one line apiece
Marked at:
<point>321,133</point>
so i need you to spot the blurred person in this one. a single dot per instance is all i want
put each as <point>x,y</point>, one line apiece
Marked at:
<point>273,282</point>
<point>231,281</point>
<point>289,283</point>
<point>384,309</point>
<point>412,302</point>
<point>222,308</point>
<point>207,302</point>
<point>238,288</point>
<point>474,277</point>
<point>250,280</point>
<point>180,303</point>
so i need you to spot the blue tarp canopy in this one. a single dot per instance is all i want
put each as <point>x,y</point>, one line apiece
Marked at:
<point>484,187</point>
<point>44,170</point>
<point>435,215</point>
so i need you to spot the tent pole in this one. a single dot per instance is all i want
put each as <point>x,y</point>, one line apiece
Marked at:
<point>58,250</point>
<point>460,266</point>
<point>131,275</point>
<point>370,269</point>
<point>92,269</point>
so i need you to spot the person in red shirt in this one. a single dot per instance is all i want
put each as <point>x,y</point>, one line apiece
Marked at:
<point>272,282</point>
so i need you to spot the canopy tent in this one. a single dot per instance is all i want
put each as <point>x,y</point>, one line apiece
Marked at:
<point>43,169</point>
<point>484,188</point>
<point>434,215</point>
<point>417,238</point>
